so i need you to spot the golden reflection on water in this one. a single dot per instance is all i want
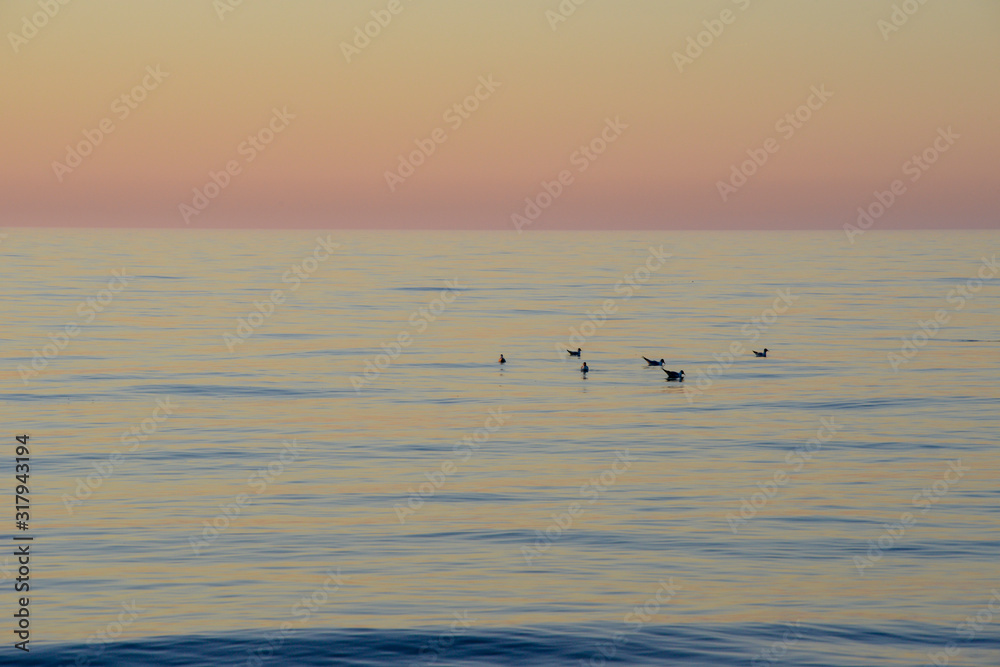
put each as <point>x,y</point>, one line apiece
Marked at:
<point>361,453</point>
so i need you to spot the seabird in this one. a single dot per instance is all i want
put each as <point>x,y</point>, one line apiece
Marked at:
<point>575,354</point>
<point>653,363</point>
<point>674,375</point>
<point>502,360</point>
<point>584,368</point>
<point>760,354</point>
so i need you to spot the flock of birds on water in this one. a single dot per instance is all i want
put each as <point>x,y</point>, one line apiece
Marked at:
<point>671,375</point>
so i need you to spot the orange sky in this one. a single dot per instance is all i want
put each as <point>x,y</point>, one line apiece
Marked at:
<point>347,111</point>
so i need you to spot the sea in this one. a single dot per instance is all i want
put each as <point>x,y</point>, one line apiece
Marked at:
<point>297,447</point>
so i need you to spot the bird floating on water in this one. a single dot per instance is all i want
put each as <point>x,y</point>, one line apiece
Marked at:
<point>502,360</point>
<point>674,375</point>
<point>575,354</point>
<point>760,354</point>
<point>584,368</point>
<point>652,362</point>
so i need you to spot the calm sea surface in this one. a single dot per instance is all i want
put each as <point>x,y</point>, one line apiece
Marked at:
<point>348,476</point>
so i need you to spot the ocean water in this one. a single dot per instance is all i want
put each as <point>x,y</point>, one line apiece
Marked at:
<point>349,477</point>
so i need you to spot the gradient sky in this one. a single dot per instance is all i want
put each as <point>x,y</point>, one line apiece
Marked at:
<point>891,92</point>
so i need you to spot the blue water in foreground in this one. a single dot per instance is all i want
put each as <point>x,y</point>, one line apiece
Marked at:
<point>251,453</point>
<point>711,645</point>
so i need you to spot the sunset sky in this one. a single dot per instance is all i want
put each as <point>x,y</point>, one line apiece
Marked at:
<point>201,77</point>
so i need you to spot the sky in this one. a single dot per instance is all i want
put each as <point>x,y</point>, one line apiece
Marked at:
<point>608,114</point>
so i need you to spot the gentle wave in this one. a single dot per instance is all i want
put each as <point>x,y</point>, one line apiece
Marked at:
<point>794,643</point>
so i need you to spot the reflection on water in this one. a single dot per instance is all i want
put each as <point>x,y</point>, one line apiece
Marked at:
<point>426,480</point>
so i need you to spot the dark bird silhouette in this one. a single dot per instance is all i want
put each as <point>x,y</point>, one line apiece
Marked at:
<point>652,362</point>
<point>502,360</point>
<point>575,354</point>
<point>673,375</point>
<point>760,354</point>
<point>584,368</point>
